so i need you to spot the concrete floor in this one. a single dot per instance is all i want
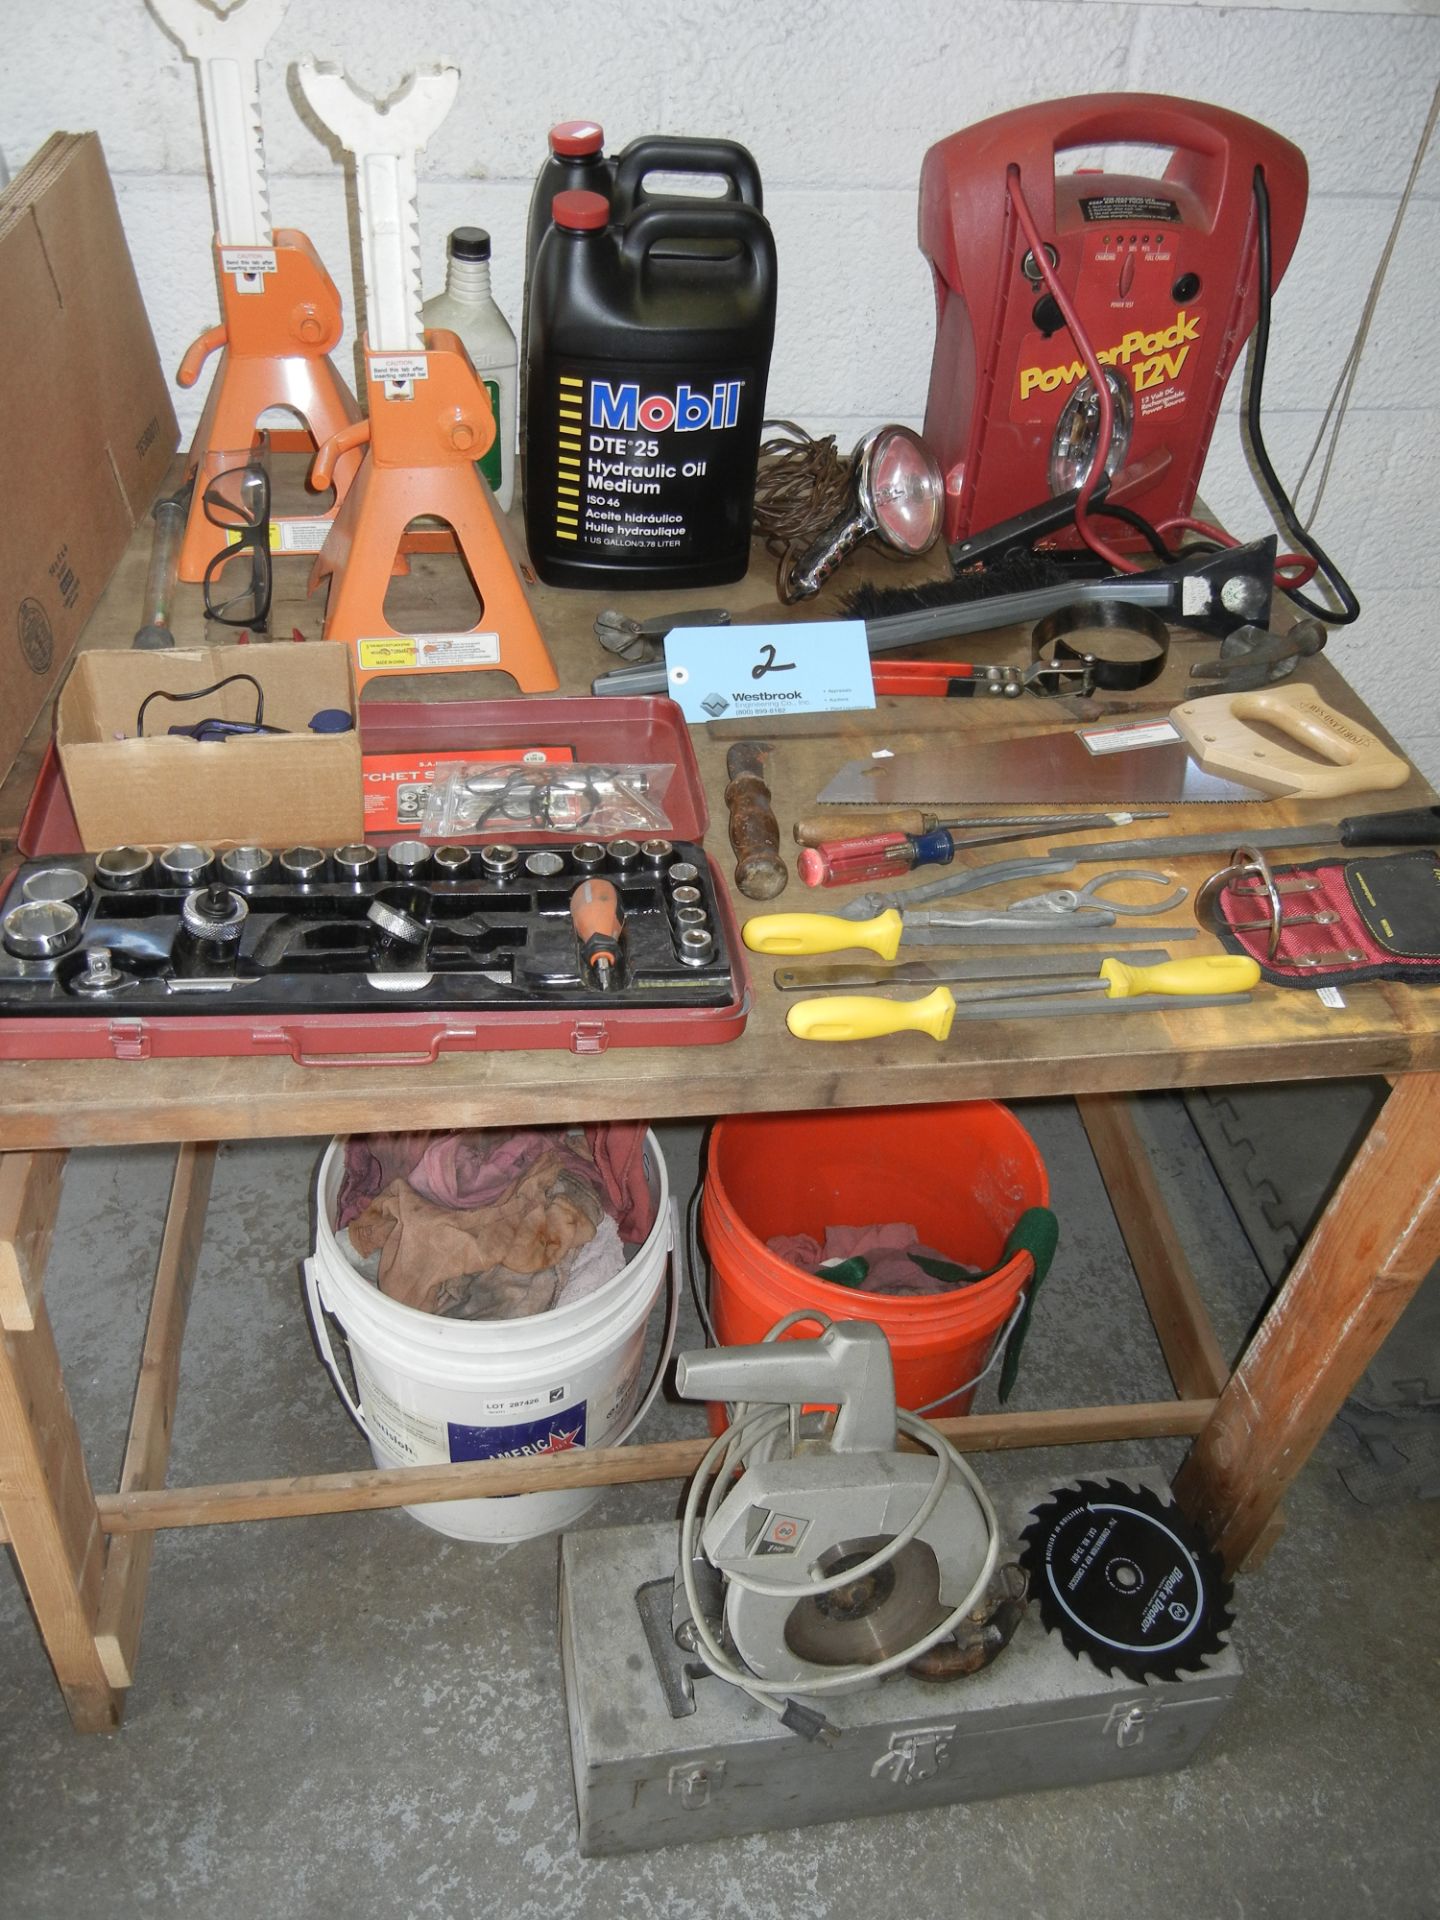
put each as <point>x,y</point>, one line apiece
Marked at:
<point>354,1715</point>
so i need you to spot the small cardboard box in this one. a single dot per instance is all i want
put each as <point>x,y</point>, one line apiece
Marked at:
<point>270,790</point>
<point>85,416</point>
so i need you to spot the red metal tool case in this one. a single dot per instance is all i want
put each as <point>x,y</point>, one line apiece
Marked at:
<point>630,731</point>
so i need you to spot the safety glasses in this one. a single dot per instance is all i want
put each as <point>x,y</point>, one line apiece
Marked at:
<point>237,580</point>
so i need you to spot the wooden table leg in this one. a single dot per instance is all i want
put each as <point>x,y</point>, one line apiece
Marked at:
<point>147,1451</point>
<point>1368,1252</point>
<point>46,1498</point>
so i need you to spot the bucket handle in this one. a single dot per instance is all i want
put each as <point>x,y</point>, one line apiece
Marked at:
<point>676,1281</point>
<point>320,1327</point>
<point>318,1313</point>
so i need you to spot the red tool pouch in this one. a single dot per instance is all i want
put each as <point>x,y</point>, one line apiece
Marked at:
<point>1332,920</point>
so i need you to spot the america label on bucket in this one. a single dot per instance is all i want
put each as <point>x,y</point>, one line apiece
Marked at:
<point>524,1439</point>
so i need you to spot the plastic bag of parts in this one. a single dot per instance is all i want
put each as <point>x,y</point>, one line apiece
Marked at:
<point>484,796</point>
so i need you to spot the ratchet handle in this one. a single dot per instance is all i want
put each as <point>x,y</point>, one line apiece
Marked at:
<point>197,353</point>
<point>595,914</point>
<point>823,933</point>
<point>322,469</point>
<point>1211,973</point>
<point>867,1017</point>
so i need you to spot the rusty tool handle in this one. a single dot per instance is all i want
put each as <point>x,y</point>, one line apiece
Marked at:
<point>760,872</point>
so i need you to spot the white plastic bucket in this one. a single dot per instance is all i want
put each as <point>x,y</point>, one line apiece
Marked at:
<point>432,1389</point>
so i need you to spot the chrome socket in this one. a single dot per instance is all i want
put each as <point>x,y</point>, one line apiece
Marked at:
<point>124,868</point>
<point>186,865</point>
<point>40,929</point>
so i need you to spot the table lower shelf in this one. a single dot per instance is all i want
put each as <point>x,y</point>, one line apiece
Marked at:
<point>85,1559</point>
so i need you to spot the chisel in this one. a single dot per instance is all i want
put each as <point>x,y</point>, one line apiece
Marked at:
<point>1409,827</point>
<point>1212,978</point>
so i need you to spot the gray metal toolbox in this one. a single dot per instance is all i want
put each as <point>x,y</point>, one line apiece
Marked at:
<point>1037,1718</point>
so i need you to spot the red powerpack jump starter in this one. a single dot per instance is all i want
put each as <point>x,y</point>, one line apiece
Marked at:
<point>1162,273</point>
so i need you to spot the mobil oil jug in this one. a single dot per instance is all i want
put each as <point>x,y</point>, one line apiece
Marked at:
<point>577,158</point>
<point>646,370</point>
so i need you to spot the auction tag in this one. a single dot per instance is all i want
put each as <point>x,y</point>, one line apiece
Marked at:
<point>1124,736</point>
<point>809,666</point>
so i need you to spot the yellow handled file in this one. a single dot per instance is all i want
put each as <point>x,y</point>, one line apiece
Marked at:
<point>823,933</point>
<point>863,1016</point>
<point>867,1016</point>
<point>1210,973</point>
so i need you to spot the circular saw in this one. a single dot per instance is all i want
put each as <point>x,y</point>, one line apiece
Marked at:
<point>840,1557</point>
<point>1123,1577</point>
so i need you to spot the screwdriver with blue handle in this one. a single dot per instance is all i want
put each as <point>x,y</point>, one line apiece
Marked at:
<point>1206,981</point>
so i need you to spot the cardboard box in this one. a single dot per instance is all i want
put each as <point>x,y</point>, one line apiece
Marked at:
<point>85,416</point>
<point>277,790</point>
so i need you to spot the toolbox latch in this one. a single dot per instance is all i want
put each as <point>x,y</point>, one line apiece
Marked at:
<point>1129,1720</point>
<point>589,1036</point>
<point>691,1781</point>
<point>128,1039</point>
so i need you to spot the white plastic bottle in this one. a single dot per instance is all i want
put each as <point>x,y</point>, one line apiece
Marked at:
<point>467,308</point>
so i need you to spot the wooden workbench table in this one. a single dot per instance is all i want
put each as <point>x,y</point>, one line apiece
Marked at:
<point>85,1559</point>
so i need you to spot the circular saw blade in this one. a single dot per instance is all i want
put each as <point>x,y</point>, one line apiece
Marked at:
<point>876,1616</point>
<point>1124,1578</point>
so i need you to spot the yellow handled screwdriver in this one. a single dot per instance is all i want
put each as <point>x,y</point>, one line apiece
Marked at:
<point>867,1016</point>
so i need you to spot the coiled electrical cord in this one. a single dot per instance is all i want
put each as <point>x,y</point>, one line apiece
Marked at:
<point>1279,498</point>
<point>730,1453</point>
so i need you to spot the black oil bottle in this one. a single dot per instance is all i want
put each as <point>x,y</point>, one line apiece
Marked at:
<point>646,368</point>
<point>576,158</point>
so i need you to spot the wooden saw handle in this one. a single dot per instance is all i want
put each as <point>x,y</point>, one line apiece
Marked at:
<point>1221,742</point>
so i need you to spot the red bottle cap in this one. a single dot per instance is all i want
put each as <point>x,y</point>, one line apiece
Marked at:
<point>580,211</point>
<point>573,139</point>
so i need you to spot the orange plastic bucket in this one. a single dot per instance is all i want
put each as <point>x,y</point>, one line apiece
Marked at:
<point>961,1173</point>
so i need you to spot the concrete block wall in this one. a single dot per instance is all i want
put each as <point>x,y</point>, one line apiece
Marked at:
<point>838,102</point>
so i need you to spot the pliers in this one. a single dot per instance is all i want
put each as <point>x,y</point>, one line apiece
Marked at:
<point>1069,900</point>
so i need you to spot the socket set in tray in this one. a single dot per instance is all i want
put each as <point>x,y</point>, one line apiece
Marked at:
<point>487,929</point>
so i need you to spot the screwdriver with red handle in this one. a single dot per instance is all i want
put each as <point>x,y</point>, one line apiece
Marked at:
<point>878,856</point>
<point>595,914</point>
<point>873,856</point>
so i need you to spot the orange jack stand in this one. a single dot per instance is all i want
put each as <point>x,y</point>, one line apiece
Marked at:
<point>424,435</point>
<point>277,341</point>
